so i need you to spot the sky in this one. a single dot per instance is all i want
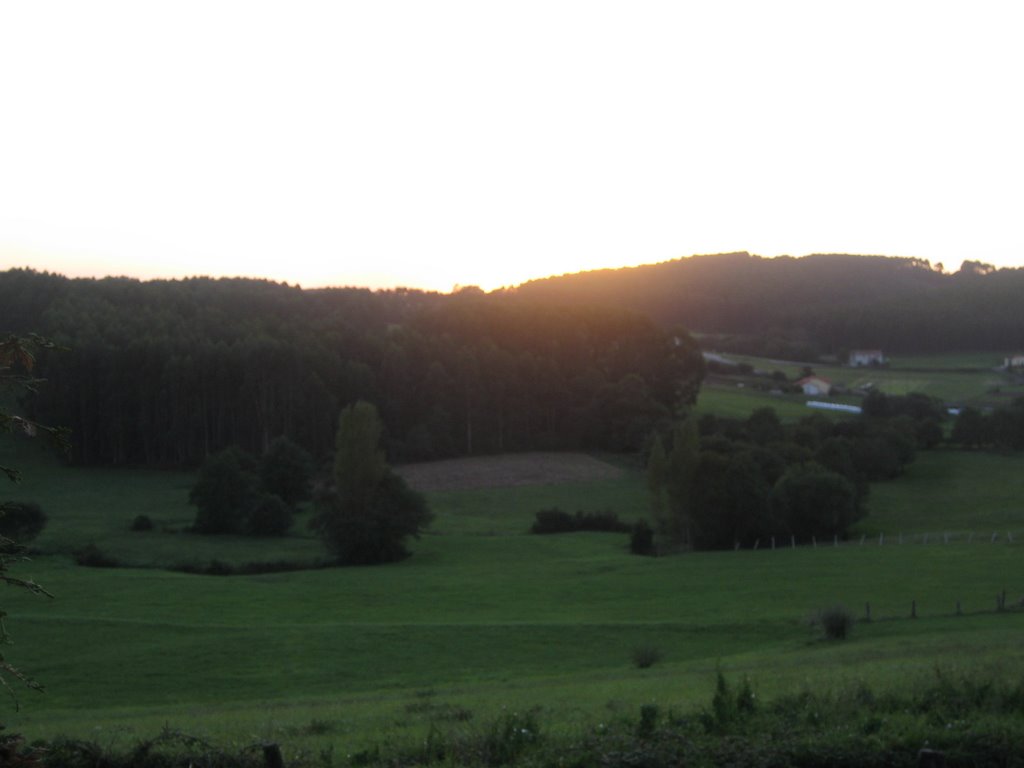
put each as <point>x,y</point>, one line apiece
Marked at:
<point>435,144</point>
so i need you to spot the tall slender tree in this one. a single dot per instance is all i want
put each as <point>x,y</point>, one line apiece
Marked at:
<point>682,467</point>
<point>657,470</point>
<point>371,512</point>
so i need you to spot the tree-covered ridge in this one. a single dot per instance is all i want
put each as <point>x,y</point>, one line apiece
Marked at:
<point>169,372</point>
<point>829,302</point>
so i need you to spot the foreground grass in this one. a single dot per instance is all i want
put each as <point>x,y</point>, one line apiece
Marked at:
<point>485,620</point>
<point>466,622</point>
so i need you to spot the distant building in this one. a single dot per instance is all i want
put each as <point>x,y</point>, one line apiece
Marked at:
<point>1013,361</point>
<point>815,385</point>
<point>866,357</point>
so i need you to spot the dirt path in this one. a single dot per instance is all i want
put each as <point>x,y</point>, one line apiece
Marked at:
<point>506,470</point>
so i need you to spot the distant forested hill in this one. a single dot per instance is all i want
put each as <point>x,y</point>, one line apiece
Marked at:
<point>827,303</point>
<point>167,372</point>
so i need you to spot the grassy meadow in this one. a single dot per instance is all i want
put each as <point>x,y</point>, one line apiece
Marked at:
<point>484,618</point>
<point>965,379</point>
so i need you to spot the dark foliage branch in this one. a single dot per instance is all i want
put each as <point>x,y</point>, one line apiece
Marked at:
<point>17,362</point>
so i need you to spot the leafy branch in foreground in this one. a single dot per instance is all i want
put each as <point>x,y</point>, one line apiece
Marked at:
<point>17,362</point>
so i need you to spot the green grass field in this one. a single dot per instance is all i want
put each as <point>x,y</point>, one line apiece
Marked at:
<point>485,618</point>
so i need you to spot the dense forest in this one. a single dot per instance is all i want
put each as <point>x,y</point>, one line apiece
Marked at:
<point>165,373</point>
<point>798,308</point>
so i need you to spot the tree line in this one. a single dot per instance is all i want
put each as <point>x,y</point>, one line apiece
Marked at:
<point>167,373</point>
<point>799,308</point>
<point>1002,429</point>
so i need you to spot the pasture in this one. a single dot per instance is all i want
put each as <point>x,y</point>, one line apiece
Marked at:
<point>484,618</point>
<point>972,379</point>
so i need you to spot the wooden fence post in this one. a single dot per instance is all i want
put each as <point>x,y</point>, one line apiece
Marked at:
<point>272,756</point>
<point>931,758</point>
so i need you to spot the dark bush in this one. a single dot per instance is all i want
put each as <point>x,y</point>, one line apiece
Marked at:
<point>286,471</point>
<point>553,521</point>
<point>219,568</point>
<point>646,656</point>
<point>92,556</point>
<point>836,622</point>
<point>142,523</point>
<point>21,521</point>
<point>556,521</point>
<point>223,492</point>
<point>374,530</point>
<point>269,515</point>
<point>649,714</point>
<point>641,539</point>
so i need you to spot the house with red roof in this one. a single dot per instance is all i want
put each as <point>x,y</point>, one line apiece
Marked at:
<point>815,385</point>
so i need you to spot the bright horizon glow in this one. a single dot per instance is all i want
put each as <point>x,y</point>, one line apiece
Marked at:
<point>432,144</point>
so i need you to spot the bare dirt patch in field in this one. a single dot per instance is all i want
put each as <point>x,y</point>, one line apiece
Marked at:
<point>506,470</point>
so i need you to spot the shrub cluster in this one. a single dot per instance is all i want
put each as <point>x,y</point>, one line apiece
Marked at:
<point>718,482</point>
<point>835,622</point>
<point>646,656</point>
<point>236,494</point>
<point>1002,429</point>
<point>142,523</point>
<point>554,520</point>
<point>641,539</point>
<point>92,556</point>
<point>21,521</point>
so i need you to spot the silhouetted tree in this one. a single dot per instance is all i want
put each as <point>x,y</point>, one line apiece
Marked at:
<point>812,501</point>
<point>370,512</point>
<point>286,471</point>
<point>223,493</point>
<point>971,428</point>
<point>267,515</point>
<point>677,526</point>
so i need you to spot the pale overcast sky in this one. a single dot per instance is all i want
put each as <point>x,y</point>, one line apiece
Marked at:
<point>432,143</point>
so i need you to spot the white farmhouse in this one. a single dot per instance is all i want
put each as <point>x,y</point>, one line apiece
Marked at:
<point>815,385</point>
<point>860,357</point>
<point>1013,361</point>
